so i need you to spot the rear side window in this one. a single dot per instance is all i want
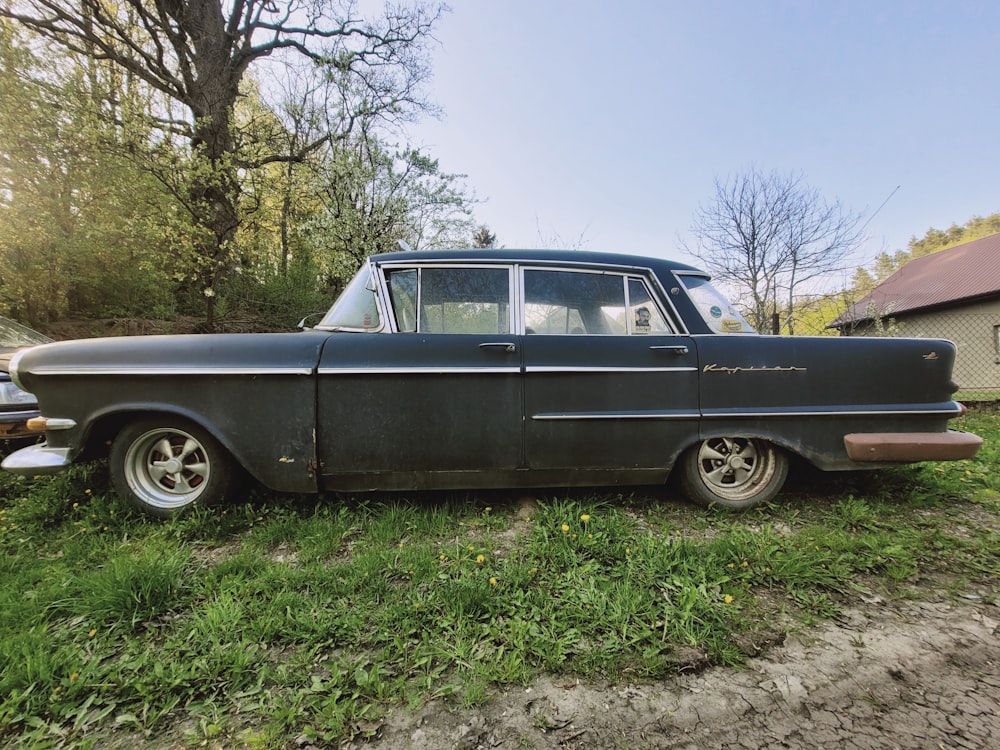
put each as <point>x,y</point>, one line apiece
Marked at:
<point>720,314</point>
<point>582,302</point>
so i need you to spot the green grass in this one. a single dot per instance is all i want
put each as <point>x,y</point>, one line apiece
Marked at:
<point>288,619</point>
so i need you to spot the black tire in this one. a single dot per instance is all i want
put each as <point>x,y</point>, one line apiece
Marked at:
<point>164,465</point>
<point>732,472</point>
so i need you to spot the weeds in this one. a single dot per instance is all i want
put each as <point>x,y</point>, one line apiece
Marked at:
<point>294,619</point>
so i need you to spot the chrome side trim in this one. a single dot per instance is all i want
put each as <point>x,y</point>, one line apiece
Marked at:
<point>419,370</point>
<point>668,415</point>
<point>828,413</point>
<point>56,370</point>
<point>59,423</point>
<point>660,415</point>
<point>571,368</point>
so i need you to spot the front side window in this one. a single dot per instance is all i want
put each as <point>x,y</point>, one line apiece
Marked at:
<point>582,302</point>
<point>450,300</point>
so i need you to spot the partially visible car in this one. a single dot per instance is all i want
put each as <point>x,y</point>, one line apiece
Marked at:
<point>16,406</point>
<point>492,369</point>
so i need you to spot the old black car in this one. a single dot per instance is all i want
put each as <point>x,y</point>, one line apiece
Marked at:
<point>16,406</point>
<point>492,368</point>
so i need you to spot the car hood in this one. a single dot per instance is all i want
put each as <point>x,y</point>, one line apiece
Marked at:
<point>218,354</point>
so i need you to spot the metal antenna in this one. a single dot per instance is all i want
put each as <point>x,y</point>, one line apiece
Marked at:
<point>879,209</point>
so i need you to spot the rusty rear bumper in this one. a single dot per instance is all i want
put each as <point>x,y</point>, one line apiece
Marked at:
<point>909,447</point>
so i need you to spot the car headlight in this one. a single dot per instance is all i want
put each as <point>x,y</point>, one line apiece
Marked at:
<point>11,395</point>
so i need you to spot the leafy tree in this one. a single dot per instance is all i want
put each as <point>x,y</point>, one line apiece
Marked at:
<point>483,237</point>
<point>73,213</point>
<point>767,235</point>
<point>196,54</point>
<point>373,196</point>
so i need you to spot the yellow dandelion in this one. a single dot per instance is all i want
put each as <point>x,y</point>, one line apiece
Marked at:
<point>92,633</point>
<point>731,566</point>
<point>585,517</point>
<point>493,581</point>
<point>72,677</point>
<point>565,527</point>
<point>480,559</point>
<point>746,564</point>
<point>728,599</point>
<point>76,505</point>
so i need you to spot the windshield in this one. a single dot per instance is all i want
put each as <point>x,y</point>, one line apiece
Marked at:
<point>13,335</point>
<point>355,309</point>
<point>715,309</point>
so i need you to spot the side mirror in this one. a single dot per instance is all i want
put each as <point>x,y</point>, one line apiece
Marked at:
<point>303,323</point>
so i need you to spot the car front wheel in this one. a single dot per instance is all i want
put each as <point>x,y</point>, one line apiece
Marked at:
<point>163,466</point>
<point>732,472</point>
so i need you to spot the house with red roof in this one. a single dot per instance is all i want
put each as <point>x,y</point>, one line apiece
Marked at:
<point>952,294</point>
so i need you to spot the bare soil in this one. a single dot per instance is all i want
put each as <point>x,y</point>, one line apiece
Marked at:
<point>885,675</point>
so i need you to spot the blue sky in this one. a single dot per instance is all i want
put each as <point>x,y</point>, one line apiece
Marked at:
<point>603,124</point>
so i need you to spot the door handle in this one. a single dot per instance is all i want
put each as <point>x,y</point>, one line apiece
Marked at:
<point>505,345</point>
<point>677,349</point>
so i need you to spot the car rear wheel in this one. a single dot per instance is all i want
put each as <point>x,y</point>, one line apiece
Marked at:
<point>732,472</point>
<point>163,466</point>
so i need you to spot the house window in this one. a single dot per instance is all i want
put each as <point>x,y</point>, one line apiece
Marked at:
<point>996,339</point>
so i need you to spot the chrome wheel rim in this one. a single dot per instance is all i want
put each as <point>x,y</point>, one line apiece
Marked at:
<point>167,468</point>
<point>736,468</point>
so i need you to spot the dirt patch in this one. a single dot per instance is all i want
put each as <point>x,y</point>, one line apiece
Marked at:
<point>916,675</point>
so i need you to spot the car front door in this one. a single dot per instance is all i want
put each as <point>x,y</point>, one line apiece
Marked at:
<point>611,386</point>
<point>437,401</point>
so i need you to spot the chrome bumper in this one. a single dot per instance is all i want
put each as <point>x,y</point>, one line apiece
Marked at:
<point>37,459</point>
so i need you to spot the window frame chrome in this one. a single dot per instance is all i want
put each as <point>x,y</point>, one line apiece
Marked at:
<point>626,274</point>
<point>398,265</point>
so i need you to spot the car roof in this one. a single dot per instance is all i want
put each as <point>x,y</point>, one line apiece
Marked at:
<point>576,257</point>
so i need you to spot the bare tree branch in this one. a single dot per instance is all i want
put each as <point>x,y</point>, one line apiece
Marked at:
<point>767,234</point>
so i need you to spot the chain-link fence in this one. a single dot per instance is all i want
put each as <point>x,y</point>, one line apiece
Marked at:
<point>976,333</point>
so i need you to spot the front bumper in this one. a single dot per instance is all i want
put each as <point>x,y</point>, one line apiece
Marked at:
<point>911,447</point>
<point>14,424</point>
<point>37,459</point>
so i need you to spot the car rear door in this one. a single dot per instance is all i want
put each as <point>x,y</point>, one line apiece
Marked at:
<point>615,391</point>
